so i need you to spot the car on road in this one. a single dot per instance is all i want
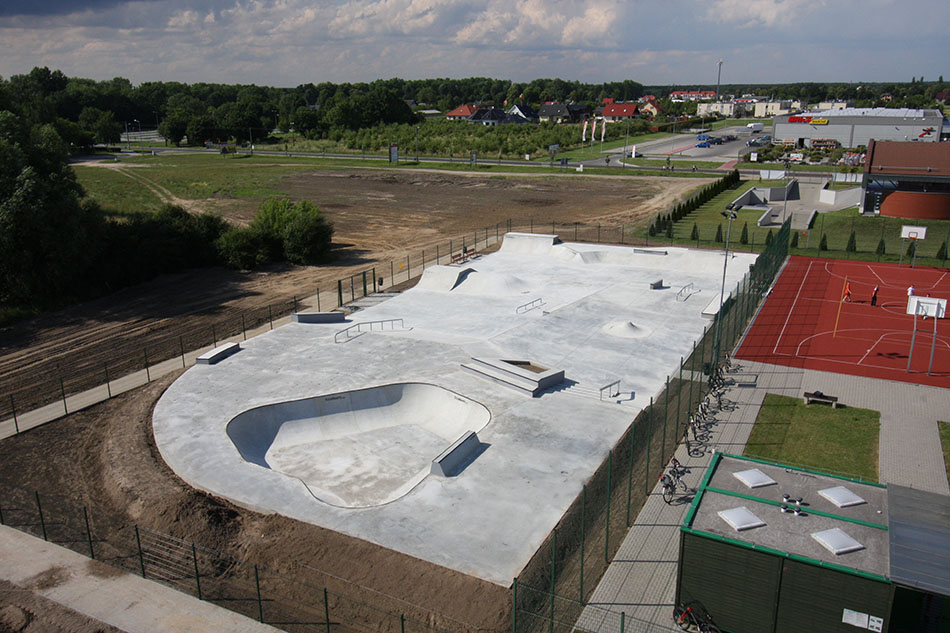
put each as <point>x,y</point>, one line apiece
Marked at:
<point>702,137</point>
<point>703,144</point>
<point>728,137</point>
<point>715,140</point>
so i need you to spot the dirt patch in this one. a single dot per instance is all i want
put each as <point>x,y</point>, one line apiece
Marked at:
<point>23,611</point>
<point>104,457</point>
<point>52,577</point>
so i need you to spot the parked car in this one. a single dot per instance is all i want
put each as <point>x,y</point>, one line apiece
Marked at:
<point>703,144</point>
<point>729,137</point>
<point>702,137</point>
<point>715,140</point>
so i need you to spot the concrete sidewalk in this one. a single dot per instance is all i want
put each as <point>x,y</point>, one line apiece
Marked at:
<point>128,602</point>
<point>640,581</point>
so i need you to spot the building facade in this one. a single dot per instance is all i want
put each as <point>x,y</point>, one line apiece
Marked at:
<point>907,180</point>
<point>852,127</point>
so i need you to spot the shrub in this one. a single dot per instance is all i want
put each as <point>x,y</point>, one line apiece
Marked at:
<point>242,248</point>
<point>852,246</point>
<point>744,238</point>
<point>912,249</point>
<point>881,248</point>
<point>307,237</point>
<point>794,243</point>
<point>669,229</point>
<point>942,251</point>
<point>719,233</point>
<point>823,245</point>
<point>768,237</point>
<point>695,234</point>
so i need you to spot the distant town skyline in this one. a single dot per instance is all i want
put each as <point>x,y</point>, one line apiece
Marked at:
<point>290,42</point>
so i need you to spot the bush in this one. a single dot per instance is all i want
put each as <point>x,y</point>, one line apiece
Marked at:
<point>719,233</point>
<point>243,249</point>
<point>695,234</point>
<point>669,229</point>
<point>852,246</point>
<point>744,238</point>
<point>942,251</point>
<point>307,237</point>
<point>768,237</point>
<point>912,249</point>
<point>823,245</point>
<point>881,248</point>
<point>794,243</point>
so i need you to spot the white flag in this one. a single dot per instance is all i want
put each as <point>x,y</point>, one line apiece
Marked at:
<point>603,128</point>
<point>584,133</point>
<point>593,129</point>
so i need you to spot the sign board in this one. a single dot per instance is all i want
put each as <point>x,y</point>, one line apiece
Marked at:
<point>393,153</point>
<point>564,162</point>
<point>913,232</point>
<point>552,149</point>
<point>754,157</point>
<point>633,151</point>
<point>474,158</point>
<point>927,306</point>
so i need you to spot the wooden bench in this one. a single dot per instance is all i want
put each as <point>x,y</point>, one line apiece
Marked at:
<point>817,396</point>
<point>656,285</point>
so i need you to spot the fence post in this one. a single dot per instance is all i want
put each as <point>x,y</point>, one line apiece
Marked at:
<point>214,336</point>
<point>583,537</point>
<point>423,260</point>
<point>352,290</point>
<point>16,424</point>
<point>148,375</point>
<point>623,616</point>
<point>553,568</point>
<point>260,604</point>
<point>692,378</point>
<point>392,275</point>
<point>339,290</point>
<point>295,304</point>
<point>270,316</point>
<point>138,543</point>
<point>633,430</point>
<point>244,326</point>
<point>85,516</point>
<point>514,607</point>
<point>1,516</point>
<point>646,473</point>
<point>402,623</point>
<point>326,608</point>
<point>679,402</point>
<point>374,279</point>
<point>62,390</point>
<point>437,254</point>
<point>318,299</point>
<point>181,346</point>
<point>666,419</point>
<point>40,510</point>
<point>621,233</point>
<point>598,232</point>
<point>194,558</point>
<point>610,467</point>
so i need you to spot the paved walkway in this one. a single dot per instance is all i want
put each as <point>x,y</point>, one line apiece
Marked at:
<point>128,602</point>
<point>640,582</point>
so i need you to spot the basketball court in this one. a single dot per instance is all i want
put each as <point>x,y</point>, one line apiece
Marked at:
<point>809,321</point>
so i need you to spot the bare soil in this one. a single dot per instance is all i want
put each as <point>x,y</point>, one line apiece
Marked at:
<point>105,457</point>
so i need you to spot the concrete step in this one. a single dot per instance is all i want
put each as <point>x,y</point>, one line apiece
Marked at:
<point>505,378</point>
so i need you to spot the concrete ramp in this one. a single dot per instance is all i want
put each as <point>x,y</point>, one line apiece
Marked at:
<point>533,243</point>
<point>357,448</point>
<point>626,329</point>
<point>491,284</point>
<point>443,278</point>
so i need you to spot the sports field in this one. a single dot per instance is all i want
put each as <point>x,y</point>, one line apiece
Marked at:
<point>807,321</point>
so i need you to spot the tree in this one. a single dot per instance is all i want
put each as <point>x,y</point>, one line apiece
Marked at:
<point>823,244</point>
<point>794,243</point>
<point>768,237</point>
<point>744,238</point>
<point>46,237</point>
<point>942,251</point>
<point>719,233</point>
<point>852,246</point>
<point>695,234</point>
<point>912,247</point>
<point>881,248</point>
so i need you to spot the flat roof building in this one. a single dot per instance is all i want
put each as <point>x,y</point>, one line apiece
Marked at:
<point>852,127</point>
<point>772,548</point>
<point>907,180</point>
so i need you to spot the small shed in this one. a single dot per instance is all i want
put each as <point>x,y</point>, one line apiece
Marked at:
<point>770,548</point>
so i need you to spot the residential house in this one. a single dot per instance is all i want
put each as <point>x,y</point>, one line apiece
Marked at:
<point>489,117</point>
<point>557,112</point>
<point>525,112</point>
<point>692,95</point>
<point>650,109</point>
<point>461,113</point>
<point>619,112</point>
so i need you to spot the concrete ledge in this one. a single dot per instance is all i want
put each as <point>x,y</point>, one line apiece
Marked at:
<point>453,459</point>
<point>318,317</point>
<point>218,354</point>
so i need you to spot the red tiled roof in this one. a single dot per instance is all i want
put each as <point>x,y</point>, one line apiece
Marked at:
<point>463,110</point>
<point>620,109</point>
<point>908,158</point>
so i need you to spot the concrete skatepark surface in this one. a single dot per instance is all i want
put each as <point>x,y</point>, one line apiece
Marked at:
<point>594,316</point>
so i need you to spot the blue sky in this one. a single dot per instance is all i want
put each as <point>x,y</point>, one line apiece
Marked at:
<point>290,42</point>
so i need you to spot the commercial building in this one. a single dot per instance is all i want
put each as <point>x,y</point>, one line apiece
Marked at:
<point>907,180</point>
<point>723,108</point>
<point>852,127</point>
<point>764,109</point>
<point>767,548</point>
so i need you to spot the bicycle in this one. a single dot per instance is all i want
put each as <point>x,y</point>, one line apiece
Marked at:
<point>673,480</point>
<point>688,619</point>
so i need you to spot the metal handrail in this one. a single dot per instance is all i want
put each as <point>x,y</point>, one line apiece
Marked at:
<point>529,306</point>
<point>359,328</point>
<point>612,393</point>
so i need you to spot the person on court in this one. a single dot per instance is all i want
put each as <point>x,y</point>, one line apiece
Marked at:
<point>874,296</point>
<point>847,292</point>
<point>910,291</point>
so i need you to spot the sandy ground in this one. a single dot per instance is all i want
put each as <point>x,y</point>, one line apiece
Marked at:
<point>105,457</point>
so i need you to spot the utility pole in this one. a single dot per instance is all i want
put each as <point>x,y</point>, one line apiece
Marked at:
<point>718,78</point>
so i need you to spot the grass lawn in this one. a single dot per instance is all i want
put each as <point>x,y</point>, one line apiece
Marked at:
<point>733,122</point>
<point>944,428</point>
<point>840,441</point>
<point>589,153</point>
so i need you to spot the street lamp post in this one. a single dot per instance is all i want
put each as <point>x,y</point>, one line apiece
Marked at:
<point>626,139</point>
<point>785,197</point>
<point>731,214</point>
<point>417,143</point>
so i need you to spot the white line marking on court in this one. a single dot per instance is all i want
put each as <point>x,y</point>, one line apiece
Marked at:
<point>794,305</point>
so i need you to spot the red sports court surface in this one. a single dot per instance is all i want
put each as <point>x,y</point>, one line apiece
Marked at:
<point>806,323</point>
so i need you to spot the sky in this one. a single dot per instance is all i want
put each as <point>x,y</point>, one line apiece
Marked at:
<point>655,42</point>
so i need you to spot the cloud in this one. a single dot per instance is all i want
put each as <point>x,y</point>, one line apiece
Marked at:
<point>288,42</point>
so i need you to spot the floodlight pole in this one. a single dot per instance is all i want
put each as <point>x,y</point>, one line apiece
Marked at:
<point>933,342</point>
<point>785,197</point>
<point>722,293</point>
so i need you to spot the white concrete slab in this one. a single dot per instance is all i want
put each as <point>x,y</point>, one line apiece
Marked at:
<point>535,453</point>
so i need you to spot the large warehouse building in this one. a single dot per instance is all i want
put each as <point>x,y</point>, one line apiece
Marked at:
<point>852,127</point>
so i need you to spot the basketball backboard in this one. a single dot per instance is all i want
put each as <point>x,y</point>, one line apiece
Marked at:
<point>927,306</point>
<point>913,232</point>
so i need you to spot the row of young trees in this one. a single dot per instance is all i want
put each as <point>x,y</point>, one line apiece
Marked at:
<point>663,223</point>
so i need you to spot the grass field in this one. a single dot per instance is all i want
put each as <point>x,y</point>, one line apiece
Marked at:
<point>840,441</point>
<point>944,428</point>
<point>591,153</point>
